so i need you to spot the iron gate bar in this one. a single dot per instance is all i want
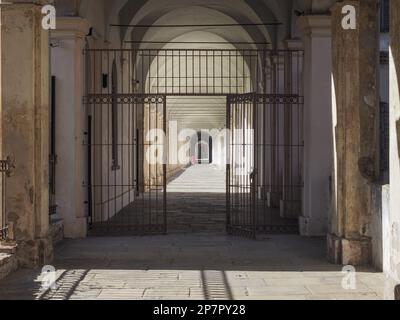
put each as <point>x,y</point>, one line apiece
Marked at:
<point>89,201</point>
<point>124,203</point>
<point>53,155</point>
<point>5,171</point>
<point>196,42</point>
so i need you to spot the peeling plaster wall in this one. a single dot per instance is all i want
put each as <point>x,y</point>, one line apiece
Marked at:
<point>24,106</point>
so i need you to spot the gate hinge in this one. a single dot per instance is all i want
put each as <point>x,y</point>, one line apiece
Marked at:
<point>6,166</point>
<point>53,159</point>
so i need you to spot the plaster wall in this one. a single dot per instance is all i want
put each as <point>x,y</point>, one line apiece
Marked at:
<point>392,217</point>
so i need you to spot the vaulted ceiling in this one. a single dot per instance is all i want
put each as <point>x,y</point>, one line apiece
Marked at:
<point>197,113</point>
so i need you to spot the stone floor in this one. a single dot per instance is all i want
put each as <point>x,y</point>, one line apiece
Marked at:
<point>197,266</point>
<point>200,178</point>
<point>196,200</point>
<point>196,261</point>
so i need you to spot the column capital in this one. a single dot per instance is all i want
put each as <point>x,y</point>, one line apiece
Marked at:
<point>316,25</point>
<point>70,28</point>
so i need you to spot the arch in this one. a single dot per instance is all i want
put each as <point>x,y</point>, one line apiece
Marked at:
<point>239,65</point>
<point>150,12</point>
<point>202,147</point>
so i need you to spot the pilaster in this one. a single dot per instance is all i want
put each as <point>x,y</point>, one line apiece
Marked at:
<point>24,102</point>
<point>318,144</point>
<point>68,68</point>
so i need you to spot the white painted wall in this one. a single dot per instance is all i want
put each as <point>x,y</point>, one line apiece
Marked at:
<point>318,149</point>
<point>67,65</point>
<point>392,218</point>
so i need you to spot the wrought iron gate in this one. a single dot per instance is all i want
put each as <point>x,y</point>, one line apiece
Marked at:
<point>127,190</point>
<point>265,133</point>
<point>126,96</point>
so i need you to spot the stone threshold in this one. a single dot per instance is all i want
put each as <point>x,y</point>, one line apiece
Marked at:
<point>8,260</point>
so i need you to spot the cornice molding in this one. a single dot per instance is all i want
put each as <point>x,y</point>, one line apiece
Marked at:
<point>316,25</point>
<point>293,44</point>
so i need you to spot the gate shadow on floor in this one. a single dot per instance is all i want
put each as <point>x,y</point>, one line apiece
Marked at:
<point>202,266</point>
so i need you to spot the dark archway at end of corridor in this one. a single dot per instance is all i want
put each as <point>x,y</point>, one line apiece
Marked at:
<point>204,149</point>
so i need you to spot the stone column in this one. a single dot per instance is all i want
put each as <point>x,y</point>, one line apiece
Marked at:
<point>24,99</point>
<point>392,247</point>
<point>355,105</point>
<point>67,65</point>
<point>318,144</point>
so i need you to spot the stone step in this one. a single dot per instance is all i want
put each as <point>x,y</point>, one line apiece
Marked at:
<point>8,249</point>
<point>4,258</point>
<point>8,264</point>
